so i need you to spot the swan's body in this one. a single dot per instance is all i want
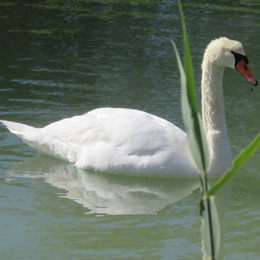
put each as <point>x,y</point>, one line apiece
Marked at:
<point>129,141</point>
<point>114,140</point>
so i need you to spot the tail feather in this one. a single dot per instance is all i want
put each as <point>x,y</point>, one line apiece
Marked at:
<point>19,129</point>
<point>28,134</point>
<point>16,128</point>
<point>35,138</point>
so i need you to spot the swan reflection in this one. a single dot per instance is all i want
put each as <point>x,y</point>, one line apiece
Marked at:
<point>106,193</point>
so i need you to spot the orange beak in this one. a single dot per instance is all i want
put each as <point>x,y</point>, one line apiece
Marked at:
<point>243,68</point>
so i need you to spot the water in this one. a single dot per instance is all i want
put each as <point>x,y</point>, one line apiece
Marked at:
<point>60,59</point>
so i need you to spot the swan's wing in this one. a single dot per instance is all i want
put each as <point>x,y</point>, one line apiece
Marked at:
<point>122,140</point>
<point>138,132</point>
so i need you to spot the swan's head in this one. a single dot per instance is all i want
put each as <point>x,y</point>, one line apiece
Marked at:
<point>228,53</point>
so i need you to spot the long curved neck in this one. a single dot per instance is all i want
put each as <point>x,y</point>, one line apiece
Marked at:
<point>213,116</point>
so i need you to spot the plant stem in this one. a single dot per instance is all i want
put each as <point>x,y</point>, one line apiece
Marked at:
<point>211,230</point>
<point>204,183</point>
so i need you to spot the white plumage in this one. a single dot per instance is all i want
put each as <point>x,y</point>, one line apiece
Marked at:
<point>127,141</point>
<point>114,140</point>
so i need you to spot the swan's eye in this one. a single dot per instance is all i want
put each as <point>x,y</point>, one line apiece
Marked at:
<point>239,57</point>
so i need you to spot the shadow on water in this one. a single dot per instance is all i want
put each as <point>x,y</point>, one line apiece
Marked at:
<point>106,193</point>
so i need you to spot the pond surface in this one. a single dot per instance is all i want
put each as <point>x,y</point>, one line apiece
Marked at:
<point>64,58</point>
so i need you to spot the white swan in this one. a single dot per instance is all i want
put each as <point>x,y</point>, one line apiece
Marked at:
<point>127,141</point>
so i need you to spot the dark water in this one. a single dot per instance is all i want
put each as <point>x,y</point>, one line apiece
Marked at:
<point>63,58</point>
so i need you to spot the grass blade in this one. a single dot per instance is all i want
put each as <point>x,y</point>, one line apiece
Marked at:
<point>198,146</point>
<point>237,164</point>
<point>210,229</point>
<point>188,65</point>
<point>191,117</point>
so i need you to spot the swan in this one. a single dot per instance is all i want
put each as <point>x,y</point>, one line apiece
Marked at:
<point>128,141</point>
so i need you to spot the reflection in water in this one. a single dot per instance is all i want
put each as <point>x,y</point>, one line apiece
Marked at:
<point>118,195</point>
<point>222,198</point>
<point>106,193</point>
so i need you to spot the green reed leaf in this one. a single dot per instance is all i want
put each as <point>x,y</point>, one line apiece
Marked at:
<point>210,224</point>
<point>198,146</point>
<point>237,164</point>
<point>191,117</point>
<point>210,229</point>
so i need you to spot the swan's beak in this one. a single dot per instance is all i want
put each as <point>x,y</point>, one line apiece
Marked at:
<point>243,68</point>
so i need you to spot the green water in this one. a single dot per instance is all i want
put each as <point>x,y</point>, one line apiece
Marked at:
<point>63,58</point>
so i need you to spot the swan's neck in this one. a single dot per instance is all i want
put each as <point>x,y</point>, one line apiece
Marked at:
<point>213,117</point>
